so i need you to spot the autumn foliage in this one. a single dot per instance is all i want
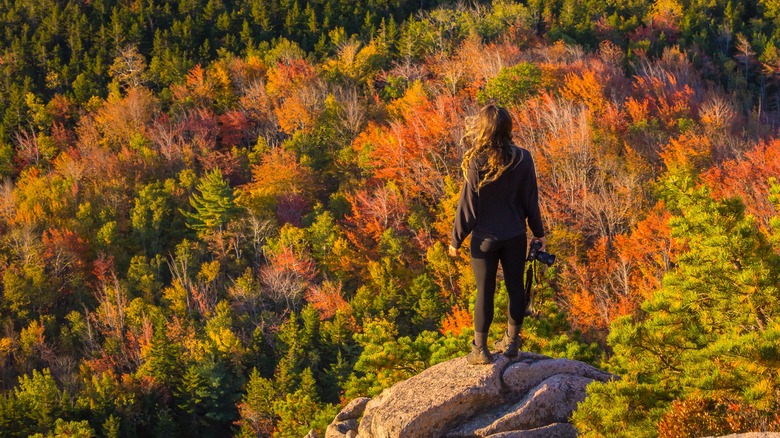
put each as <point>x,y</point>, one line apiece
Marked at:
<point>243,225</point>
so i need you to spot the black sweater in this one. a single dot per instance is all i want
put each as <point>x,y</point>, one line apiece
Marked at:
<point>499,209</point>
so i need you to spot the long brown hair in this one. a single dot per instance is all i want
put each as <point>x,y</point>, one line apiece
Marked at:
<point>489,134</point>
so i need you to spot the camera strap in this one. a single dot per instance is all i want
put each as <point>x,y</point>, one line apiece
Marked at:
<point>529,288</point>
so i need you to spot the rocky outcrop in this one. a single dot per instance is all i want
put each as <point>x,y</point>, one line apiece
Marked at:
<point>531,396</point>
<point>346,422</point>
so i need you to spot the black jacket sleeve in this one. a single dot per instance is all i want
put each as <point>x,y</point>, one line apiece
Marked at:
<point>466,214</point>
<point>530,201</point>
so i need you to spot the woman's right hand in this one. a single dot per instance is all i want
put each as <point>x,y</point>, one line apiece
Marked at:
<point>542,239</point>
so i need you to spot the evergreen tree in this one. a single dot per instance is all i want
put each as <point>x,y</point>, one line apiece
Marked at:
<point>191,394</point>
<point>257,407</point>
<point>301,411</point>
<point>36,404</point>
<point>711,331</point>
<point>162,360</point>
<point>292,352</point>
<point>214,206</point>
<point>151,217</point>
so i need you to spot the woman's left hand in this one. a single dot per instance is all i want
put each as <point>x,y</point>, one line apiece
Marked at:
<point>452,251</point>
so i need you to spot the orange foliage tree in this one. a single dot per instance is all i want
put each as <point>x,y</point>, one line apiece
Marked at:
<point>293,89</point>
<point>280,185</point>
<point>327,298</point>
<point>374,211</point>
<point>418,146</point>
<point>748,178</point>
<point>616,276</point>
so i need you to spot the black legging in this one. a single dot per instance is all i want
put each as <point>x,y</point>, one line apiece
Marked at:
<point>485,255</point>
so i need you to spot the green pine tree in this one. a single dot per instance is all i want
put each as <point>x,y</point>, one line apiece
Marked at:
<point>215,205</point>
<point>190,395</point>
<point>256,408</point>
<point>710,332</point>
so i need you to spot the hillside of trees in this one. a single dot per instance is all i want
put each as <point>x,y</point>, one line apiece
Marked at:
<point>224,219</point>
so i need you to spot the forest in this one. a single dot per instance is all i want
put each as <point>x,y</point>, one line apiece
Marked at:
<point>229,218</point>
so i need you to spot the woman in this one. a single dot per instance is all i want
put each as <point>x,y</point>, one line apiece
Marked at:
<point>498,197</point>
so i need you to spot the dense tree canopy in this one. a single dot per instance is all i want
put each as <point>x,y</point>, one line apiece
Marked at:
<point>230,218</point>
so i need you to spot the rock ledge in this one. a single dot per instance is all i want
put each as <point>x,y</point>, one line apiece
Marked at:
<point>531,396</point>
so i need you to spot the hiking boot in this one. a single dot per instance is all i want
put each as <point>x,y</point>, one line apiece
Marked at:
<point>479,355</point>
<point>510,343</point>
<point>479,352</point>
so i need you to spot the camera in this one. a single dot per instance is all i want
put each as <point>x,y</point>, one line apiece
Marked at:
<point>535,254</point>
